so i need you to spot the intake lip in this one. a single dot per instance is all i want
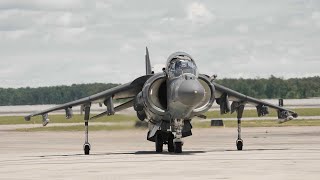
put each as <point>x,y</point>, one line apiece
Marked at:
<point>190,92</point>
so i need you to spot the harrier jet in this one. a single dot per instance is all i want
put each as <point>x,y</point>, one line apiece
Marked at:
<point>168,101</point>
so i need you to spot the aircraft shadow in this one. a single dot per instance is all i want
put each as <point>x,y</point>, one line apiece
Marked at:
<point>124,153</point>
<point>262,149</point>
<point>163,153</point>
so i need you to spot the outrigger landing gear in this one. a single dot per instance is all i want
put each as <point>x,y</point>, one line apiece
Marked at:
<point>239,141</point>
<point>86,146</point>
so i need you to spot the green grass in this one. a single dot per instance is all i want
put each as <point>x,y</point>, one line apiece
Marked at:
<point>78,128</point>
<point>125,118</point>
<point>259,123</point>
<point>195,124</point>
<point>272,113</point>
<point>62,119</point>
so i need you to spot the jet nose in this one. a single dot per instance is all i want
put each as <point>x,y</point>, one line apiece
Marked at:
<point>191,92</point>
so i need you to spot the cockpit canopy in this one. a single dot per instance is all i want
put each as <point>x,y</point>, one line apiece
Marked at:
<point>181,63</point>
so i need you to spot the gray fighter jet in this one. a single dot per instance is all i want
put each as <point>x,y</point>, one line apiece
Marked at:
<point>168,101</point>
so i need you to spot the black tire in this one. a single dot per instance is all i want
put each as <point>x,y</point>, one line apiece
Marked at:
<point>86,149</point>
<point>178,147</point>
<point>239,145</point>
<point>159,143</point>
<point>170,143</point>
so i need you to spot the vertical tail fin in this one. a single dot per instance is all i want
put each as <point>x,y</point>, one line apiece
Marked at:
<point>148,64</point>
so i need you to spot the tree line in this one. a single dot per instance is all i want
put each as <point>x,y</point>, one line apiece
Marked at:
<point>50,95</point>
<point>272,87</point>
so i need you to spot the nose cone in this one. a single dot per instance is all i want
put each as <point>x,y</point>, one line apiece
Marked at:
<point>191,92</point>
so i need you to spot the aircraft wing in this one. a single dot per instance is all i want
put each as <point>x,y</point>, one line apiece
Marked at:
<point>223,95</point>
<point>128,90</point>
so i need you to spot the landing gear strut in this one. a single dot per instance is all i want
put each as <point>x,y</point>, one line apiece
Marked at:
<point>178,125</point>
<point>178,147</point>
<point>174,141</point>
<point>159,143</point>
<point>174,144</point>
<point>86,146</point>
<point>170,143</point>
<point>239,141</point>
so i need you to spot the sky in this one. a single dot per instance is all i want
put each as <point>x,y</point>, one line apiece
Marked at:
<point>64,42</point>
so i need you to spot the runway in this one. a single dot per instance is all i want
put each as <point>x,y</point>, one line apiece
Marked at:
<point>269,153</point>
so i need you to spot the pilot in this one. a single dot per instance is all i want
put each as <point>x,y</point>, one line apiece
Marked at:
<point>178,64</point>
<point>178,68</point>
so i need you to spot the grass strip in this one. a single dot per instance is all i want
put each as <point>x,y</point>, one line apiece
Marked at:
<point>258,123</point>
<point>195,124</point>
<point>5,120</point>
<point>272,113</point>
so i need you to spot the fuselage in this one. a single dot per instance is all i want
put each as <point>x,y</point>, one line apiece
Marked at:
<point>177,93</point>
<point>184,91</point>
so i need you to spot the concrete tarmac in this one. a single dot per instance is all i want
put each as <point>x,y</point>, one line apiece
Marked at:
<point>291,153</point>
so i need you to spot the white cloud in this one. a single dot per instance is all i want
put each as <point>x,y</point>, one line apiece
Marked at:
<point>74,35</point>
<point>127,48</point>
<point>299,22</point>
<point>102,5</point>
<point>167,20</point>
<point>63,19</point>
<point>270,20</point>
<point>155,36</point>
<point>242,28</point>
<point>55,42</point>
<point>315,15</point>
<point>15,34</point>
<point>198,13</point>
<point>44,4</point>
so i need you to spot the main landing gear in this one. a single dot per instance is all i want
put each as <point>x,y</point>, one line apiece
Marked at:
<point>170,143</point>
<point>167,138</point>
<point>174,142</point>
<point>178,147</point>
<point>159,142</point>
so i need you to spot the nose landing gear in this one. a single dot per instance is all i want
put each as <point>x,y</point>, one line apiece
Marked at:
<point>178,125</point>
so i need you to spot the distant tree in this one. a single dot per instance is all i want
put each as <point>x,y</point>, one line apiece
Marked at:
<point>272,87</point>
<point>50,95</point>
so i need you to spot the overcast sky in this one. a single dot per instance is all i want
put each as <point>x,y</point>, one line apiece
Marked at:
<point>55,42</point>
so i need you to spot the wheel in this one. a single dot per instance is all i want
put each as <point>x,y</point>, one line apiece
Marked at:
<point>159,143</point>
<point>86,149</point>
<point>170,143</point>
<point>239,144</point>
<point>178,147</point>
